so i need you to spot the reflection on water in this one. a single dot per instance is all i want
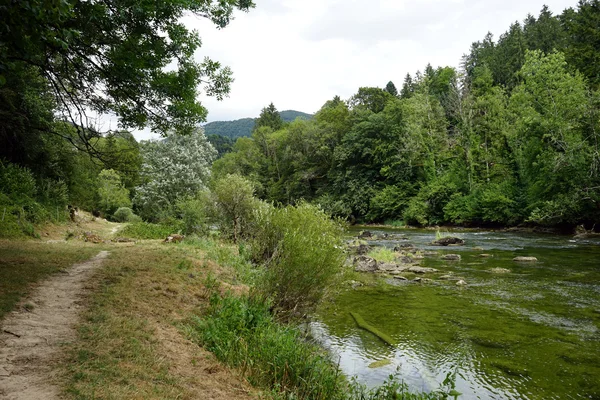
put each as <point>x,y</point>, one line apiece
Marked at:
<point>532,333</point>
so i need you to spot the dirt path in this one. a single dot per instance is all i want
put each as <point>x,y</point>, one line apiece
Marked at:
<point>30,341</point>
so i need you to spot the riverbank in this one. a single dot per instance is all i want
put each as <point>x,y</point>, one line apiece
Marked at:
<point>145,327</point>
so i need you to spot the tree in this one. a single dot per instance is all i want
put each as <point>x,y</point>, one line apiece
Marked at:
<point>111,191</point>
<point>175,168</point>
<point>269,116</point>
<point>583,30</point>
<point>111,56</point>
<point>549,142</point>
<point>234,196</point>
<point>391,89</point>
<point>371,98</point>
<point>407,87</point>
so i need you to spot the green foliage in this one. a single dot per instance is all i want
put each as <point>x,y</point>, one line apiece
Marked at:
<point>269,116</point>
<point>174,169</point>
<point>389,202</point>
<point>234,199</point>
<point>301,249</point>
<point>382,254</point>
<point>147,230</point>
<point>242,333</point>
<point>111,192</point>
<point>125,214</point>
<point>94,57</point>
<point>193,213</point>
<point>24,203</point>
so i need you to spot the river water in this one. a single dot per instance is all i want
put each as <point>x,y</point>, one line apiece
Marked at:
<point>531,333</point>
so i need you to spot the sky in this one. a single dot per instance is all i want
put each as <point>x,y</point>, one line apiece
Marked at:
<point>300,53</point>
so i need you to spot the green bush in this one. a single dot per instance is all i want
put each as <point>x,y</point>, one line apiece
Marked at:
<point>193,213</point>
<point>234,200</point>
<point>113,194</point>
<point>427,207</point>
<point>302,251</point>
<point>24,203</point>
<point>125,214</point>
<point>492,203</point>
<point>147,230</point>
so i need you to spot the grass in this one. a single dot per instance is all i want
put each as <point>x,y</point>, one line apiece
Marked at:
<point>129,346</point>
<point>23,263</point>
<point>383,254</point>
<point>242,333</point>
<point>147,230</point>
<point>396,223</point>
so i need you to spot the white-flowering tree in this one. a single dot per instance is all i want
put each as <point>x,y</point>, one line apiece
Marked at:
<point>175,168</point>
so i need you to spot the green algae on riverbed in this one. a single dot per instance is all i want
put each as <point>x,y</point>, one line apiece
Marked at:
<point>532,333</point>
<point>364,325</point>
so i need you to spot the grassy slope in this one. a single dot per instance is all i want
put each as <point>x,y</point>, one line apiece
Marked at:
<point>130,346</point>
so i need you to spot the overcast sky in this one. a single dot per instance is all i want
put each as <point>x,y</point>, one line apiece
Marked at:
<point>300,53</point>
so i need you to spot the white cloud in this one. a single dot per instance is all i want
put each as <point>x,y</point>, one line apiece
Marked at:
<point>300,53</point>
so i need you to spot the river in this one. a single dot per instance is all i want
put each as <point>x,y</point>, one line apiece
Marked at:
<point>530,333</point>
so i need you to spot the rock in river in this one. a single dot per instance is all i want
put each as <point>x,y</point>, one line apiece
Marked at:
<point>404,246</point>
<point>461,283</point>
<point>451,257</point>
<point>365,264</point>
<point>500,270</point>
<point>420,270</point>
<point>447,241</point>
<point>525,259</point>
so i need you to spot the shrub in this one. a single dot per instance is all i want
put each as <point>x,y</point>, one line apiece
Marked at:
<point>302,251</point>
<point>113,194</point>
<point>125,214</point>
<point>234,199</point>
<point>194,214</point>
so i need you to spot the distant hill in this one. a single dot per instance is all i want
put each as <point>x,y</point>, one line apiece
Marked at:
<point>243,127</point>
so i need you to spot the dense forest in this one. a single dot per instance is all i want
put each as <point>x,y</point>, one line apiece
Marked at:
<point>223,134</point>
<point>243,127</point>
<point>511,137</point>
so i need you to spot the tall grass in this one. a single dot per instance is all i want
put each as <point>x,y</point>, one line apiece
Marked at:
<point>382,254</point>
<point>243,333</point>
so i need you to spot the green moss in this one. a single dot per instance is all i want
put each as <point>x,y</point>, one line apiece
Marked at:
<point>364,325</point>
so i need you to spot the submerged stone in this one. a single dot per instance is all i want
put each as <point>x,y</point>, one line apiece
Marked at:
<point>451,257</point>
<point>525,259</point>
<point>500,270</point>
<point>421,270</point>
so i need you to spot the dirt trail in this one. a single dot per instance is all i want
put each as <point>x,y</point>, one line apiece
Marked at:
<point>30,341</point>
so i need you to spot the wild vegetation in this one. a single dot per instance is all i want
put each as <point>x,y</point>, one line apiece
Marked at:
<point>509,138</point>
